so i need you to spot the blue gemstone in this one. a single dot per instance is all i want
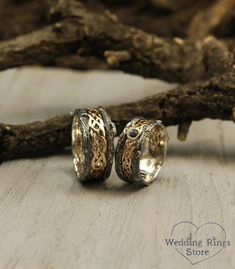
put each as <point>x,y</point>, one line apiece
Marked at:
<point>133,133</point>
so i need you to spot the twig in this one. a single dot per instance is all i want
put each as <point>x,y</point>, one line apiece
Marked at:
<point>205,21</point>
<point>183,130</point>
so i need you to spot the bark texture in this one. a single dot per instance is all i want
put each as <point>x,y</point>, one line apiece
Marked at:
<point>188,42</point>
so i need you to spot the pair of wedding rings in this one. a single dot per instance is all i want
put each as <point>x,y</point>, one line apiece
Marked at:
<point>139,155</point>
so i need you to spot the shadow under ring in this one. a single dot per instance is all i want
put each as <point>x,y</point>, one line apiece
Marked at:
<point>141,151</point>
<point>93,135</point>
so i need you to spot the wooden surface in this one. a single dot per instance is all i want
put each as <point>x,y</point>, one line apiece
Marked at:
<point>48,220</point>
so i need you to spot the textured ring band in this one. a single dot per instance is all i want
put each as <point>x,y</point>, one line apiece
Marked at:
<point>141,151</point>
<point>92,144</point>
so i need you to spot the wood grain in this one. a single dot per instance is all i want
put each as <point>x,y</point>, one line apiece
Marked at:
<point>48,220</point>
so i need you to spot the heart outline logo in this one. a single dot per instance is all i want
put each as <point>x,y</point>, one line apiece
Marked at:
<point>197,228</point>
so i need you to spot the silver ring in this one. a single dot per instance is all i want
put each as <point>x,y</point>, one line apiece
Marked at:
<point>92,144</point>
<point>141,151</point>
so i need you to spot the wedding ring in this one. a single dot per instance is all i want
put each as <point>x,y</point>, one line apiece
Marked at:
<point>141,151</point>
<point>92,144</point>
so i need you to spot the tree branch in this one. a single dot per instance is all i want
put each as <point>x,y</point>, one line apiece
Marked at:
<point>213,99</point>
<point>174,60</point>
<point>75,31</point>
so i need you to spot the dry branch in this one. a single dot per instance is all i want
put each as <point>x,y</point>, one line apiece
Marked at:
<point>208,19</point>
<point>213,99</point>
<point>79,30</point>
<point>73,31</point>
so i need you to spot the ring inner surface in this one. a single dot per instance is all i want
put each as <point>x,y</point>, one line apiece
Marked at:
<point>77,146</point>
<point>153,153</point>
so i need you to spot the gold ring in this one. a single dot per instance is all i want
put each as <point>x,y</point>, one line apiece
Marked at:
<point>92,144</point>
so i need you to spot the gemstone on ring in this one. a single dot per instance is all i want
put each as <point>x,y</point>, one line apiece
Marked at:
<point>133,133</point>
